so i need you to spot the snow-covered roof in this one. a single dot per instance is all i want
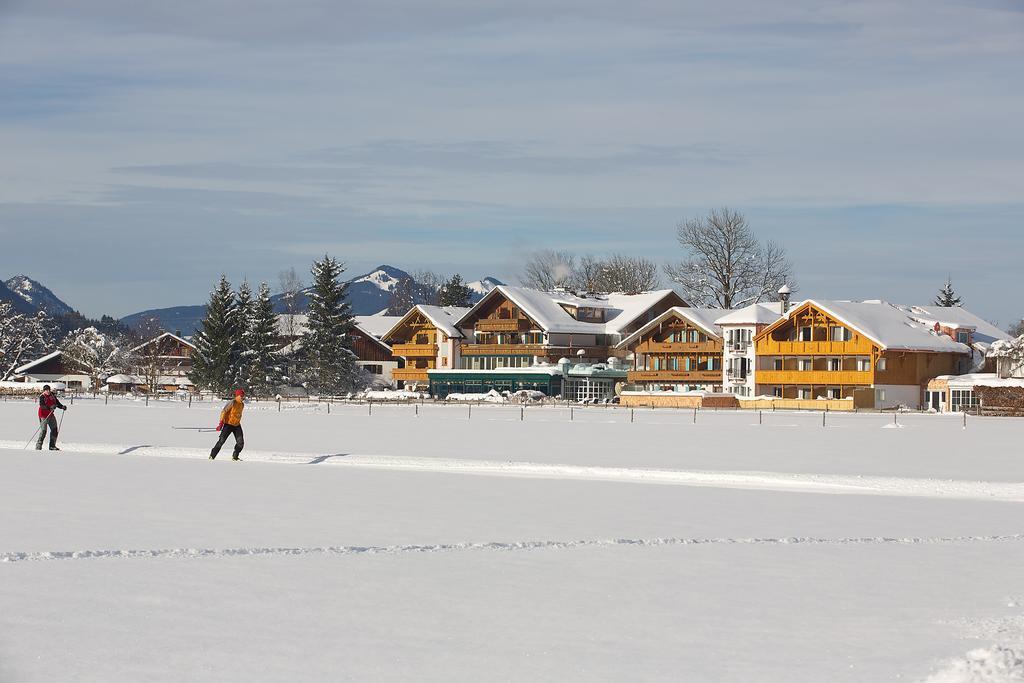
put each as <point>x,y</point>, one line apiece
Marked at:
<point>292,323</point>
<point>703,318</point>
<point>958,317</point>
<point>530,370</point>
<point>376,325</point>
<point>159,337</point>
<point>980,379</point>
<point>545,308</point>
<point>443,318</point>
<point>755,314</point>
<point>38,361</point>
<point>125,379</point>
<point>889,326</point>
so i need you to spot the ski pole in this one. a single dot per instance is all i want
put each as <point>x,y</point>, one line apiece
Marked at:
<point>34,434</point>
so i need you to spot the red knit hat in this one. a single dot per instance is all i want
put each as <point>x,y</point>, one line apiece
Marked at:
<point>239,392</point>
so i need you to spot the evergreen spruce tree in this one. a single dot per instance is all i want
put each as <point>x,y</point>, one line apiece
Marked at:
<point>454,292</point>
<point>327,361</point>
<point>947,297</point>
<point>244,305</point>
<point>217,345</point>
<point>263,362</point>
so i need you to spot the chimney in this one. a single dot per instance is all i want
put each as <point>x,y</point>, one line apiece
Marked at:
<point>784,293</point>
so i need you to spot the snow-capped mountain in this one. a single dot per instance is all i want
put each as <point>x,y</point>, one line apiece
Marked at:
<point>368,294</point>
<point>481,287</point>
<point>37,296</point>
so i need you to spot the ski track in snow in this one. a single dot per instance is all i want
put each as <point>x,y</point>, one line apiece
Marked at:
<point>196,553</point>
<point>765,481</point>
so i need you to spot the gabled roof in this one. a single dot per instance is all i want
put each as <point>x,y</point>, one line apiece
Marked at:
<point>545,308</point>
<point>958,317</point>
<point>38,361</point>
<point>443,318</point>
<point>704,318</point>
<point>755,314</point>
<point>887,325</point>
<point>376,325</point>
<point>159,337</point>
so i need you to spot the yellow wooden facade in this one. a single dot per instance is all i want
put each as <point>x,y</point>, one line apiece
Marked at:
<point>811,355</point>
<point>417,340</point>
<point>676,352</point>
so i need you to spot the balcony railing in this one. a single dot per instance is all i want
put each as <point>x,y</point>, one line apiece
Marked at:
<point>415,350</point>
<point>674,376</point>
<point>678,347</point>
<point>770,347</point>
<point>410,374</point>
<point>570,352</point>
<point>818,377</point>
<point>503,325</point>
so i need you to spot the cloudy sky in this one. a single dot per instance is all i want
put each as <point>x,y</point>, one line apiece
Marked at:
<point>147,147</point>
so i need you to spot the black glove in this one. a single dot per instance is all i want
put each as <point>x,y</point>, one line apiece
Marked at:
<point>63,407</point>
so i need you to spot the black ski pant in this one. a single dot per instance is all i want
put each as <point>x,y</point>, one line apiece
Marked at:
<point>225,431</point>
<point>45,422</point>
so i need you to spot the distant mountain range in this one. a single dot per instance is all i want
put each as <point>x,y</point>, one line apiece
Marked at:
<point>29,296</point>
<point>368,294</point>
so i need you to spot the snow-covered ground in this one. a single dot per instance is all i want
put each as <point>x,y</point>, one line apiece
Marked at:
<point>485,543</point>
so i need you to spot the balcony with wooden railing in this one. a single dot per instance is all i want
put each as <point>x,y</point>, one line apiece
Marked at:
<point>653,347</point>
<point>570,352</point>
<point>815,377</point>
<point>503,325</point>
<point>410,374</point>
<point>415,350</point>
<point>686,376</point>
<point>771,347</point>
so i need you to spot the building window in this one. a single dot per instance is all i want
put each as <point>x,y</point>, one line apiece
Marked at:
<point>863,365</point>
<point>805,365</point>
<point>374,369</point>
<point>777,364</point>
<point>963,336</point>
<point>834,392</point>
<point>805,334</point>
<point>835,364</point>
<point>880,366</point>
<point>962,399</point>
<point>777,392</point>
<point>879,395</point>
<point>839,334</point>
<point>803,393</point>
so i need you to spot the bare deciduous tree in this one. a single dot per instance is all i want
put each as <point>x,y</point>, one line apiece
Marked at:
<point>290,285</point>
<point>547,270</point>
<point>21,337</point>
<point>726,265</point>
<point>431,285</point>
<point>627,274</point>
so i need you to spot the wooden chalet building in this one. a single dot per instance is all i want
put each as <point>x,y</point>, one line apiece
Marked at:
<point>514,338</point>
<point>372,353</point>
<point>516,326</point>
<point>872,353</point>
<point>679,351</point>
<point>163,363</point>
<point>428,339</point>
<point>54,368</point>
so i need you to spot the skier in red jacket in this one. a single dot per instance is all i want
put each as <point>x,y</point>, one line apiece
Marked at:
<point>48,404</point>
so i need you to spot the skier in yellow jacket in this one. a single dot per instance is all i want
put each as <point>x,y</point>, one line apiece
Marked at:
<point>231,423</point>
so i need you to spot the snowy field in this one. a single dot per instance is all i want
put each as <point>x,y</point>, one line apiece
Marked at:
<point>445,543</point>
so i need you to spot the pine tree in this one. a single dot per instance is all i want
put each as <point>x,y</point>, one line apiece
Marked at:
<point>262,367</point>
<point>947,297</point>
<point>454,292</point>
<point>217,344</point>
<point>244,306</point>
<point>327,362</point>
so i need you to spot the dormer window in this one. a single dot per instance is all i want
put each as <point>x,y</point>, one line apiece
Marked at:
<point>963,336</point>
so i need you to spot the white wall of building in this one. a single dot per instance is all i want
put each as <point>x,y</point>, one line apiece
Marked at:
<point>732,352</point>
<point>894,395</point>
<point>73,381</point>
